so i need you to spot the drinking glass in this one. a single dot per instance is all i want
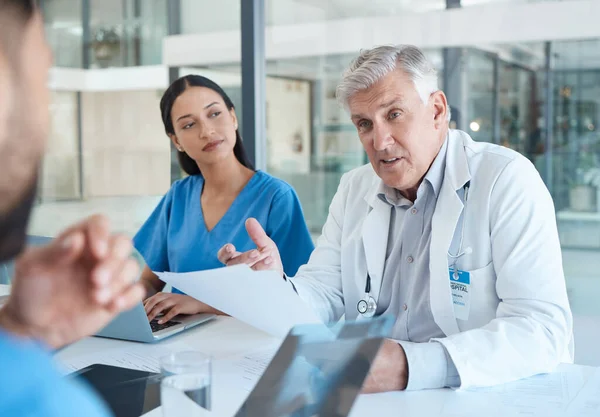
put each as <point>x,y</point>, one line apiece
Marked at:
<point>186,383</point>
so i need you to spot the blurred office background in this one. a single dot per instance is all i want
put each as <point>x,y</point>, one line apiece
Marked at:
<point>523,74</point>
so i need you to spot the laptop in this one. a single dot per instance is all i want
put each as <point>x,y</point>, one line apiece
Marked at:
<point>133,325</point>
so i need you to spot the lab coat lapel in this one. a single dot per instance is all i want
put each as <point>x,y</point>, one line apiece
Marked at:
<point>444,222</point>
<point>375,237</point>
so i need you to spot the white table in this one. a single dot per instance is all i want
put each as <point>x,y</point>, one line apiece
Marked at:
<point>227,336</point>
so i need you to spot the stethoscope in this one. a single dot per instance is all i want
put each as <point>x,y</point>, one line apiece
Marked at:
<point>367,306</point>
<point>468,249</point>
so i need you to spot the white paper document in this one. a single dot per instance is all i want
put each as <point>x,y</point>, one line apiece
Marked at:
<point>587,402</point>
<point>141,357</point>
<point>262,299</point>
<point>542,395</point>
<point>242,372</point>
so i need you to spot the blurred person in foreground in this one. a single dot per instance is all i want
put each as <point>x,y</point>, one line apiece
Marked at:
<point>70,288</point>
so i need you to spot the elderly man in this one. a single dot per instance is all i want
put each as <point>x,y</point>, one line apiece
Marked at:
<point>63,291</point>
<point>456,239</point>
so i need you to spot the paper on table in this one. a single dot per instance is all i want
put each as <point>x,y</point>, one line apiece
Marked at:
<point>243,371</point>
<point>143,357</point>
<point>262,299</point>
<point>541,395</point>
<point>234,377</point>
<point>587,402</point>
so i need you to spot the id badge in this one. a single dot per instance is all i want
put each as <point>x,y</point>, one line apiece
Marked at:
<point>460,284</point>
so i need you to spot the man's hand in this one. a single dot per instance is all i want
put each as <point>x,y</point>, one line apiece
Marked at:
<point>172,305</point>
<point>389,371</point>
<point>264,257</point>
<point>72,287</point>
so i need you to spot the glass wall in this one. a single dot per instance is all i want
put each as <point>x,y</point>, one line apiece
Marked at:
<point>126,32</point>
<point>313,151</point>
<point>102,156</point>
<point>518,109</point>
<point>64,31</point>
<point>59,176</point>
<point>576,180</point>
<point>576,140</point>
<point>122,32</point>
<point>151,28</point>
<point>481,95</point>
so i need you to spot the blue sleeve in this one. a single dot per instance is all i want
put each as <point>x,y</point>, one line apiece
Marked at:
<point>31,386</point>
<point>151,240</point>
<point>287,228</point>
<point>82,400</point>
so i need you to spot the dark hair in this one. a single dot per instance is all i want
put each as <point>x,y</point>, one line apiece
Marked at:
<point>166,104</point>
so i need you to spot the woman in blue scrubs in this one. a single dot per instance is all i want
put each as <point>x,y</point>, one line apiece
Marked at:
<point>208,208</point>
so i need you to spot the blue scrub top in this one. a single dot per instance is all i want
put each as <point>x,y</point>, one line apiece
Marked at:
<point>30,385</point>
<point>175,238</point>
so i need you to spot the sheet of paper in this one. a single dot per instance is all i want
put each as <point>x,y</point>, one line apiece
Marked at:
<point>542,395</point>
<point>243,371</point>
<point>234,377</point>
<point>142,357</point>
<point>262,299</point>
<point>587,402</point>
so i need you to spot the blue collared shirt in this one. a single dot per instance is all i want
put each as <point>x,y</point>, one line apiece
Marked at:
<point>406,280</point>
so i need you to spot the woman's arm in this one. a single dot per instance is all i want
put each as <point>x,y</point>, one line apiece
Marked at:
<point>151,283</point>
<point>167,303</point>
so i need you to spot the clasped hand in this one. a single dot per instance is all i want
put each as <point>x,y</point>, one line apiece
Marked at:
<point>72,287</point>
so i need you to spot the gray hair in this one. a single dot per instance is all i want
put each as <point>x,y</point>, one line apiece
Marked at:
<point>373,64</point>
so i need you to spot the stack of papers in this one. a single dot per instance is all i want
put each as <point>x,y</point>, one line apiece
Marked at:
<point>262,299</point>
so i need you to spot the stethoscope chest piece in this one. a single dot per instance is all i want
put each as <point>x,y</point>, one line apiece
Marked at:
<point>367,306</point>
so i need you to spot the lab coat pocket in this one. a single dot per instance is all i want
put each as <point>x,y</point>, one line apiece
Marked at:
<point>484,299</point>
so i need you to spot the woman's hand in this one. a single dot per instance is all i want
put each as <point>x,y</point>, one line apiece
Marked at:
<point>172,305</point>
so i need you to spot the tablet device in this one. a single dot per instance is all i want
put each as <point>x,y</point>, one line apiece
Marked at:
<point>128,392</point>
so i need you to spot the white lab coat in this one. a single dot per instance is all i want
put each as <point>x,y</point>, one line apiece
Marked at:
<point>520,322</point>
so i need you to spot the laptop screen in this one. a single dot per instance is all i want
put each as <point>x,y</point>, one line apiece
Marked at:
<point>318,370</point>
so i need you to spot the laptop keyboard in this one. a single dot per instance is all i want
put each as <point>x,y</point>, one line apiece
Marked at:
<point>157,327</point>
